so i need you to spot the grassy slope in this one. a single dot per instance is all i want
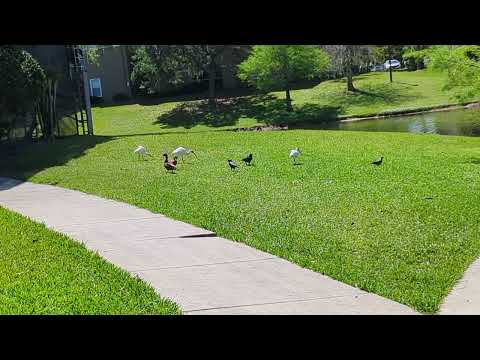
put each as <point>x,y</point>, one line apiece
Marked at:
<point>371,227</point>
<point>410,90</point>
<point>43,272</point>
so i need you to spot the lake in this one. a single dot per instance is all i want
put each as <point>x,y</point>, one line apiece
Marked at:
<point>463,122</point>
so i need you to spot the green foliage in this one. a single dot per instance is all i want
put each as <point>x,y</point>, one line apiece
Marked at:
<point>156,67</point>
<point>415,56</point>
<point>462,66</point>
<point>21,81</point>
<point>278,66</point>
<point>145,71</point>
<point>91,54</point>
<point>384,52</point>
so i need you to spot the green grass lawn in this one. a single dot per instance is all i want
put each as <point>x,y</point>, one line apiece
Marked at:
<point>324,102</point>
<point>415,89</point>
<point>43,272</point>
<point>406,230</point>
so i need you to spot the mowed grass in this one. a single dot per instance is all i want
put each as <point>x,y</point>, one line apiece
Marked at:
<point>376,95</point>
<point>325,102</point>
<point>43,272</point>
<point>406,230</point>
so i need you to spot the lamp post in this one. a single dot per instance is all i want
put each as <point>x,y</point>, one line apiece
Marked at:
<point>390,63</point>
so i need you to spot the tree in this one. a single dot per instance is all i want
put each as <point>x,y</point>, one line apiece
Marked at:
<point>345,58</point>
<point>462,66</point>
<point>46,110</point>
<point>414,56</point>
<point>21,82</point>
<point>176,64</point>
<point>91,53</point>
<point>279,66</point>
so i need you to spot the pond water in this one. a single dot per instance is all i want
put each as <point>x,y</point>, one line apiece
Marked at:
<point>463,122</point>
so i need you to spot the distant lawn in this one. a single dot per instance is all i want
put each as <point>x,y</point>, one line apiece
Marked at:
<point>406,230</point>
<point>324,102</point>
<point>43,272</point>
<point>421,88</point>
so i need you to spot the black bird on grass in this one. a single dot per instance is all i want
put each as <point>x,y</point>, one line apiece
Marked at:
<point>233,165</point>
<point>248,159</point>
<point>378,161</point>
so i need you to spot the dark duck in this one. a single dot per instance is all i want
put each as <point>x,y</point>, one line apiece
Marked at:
<point>169,165</point>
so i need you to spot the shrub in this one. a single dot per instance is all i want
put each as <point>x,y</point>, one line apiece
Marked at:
<point>120,97</point>
<point>95,100</point>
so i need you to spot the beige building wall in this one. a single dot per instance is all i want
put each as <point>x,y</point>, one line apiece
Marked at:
<point>112,72</point>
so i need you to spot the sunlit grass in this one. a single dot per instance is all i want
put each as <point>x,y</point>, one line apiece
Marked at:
<point>405,230</point>
<point>43,272</point>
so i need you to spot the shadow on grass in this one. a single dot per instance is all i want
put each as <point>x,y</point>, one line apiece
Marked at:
<point>475,161</point>
<point>370,95</point>
<point>33,158</point>
<point>264,108</point>
<point>405,83</point>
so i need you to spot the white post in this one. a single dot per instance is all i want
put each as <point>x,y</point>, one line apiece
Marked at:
<point>86,89</point>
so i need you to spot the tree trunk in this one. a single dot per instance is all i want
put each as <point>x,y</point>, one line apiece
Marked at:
<point>211,87</point>
<point>288,100</point>
<point>350,86</point>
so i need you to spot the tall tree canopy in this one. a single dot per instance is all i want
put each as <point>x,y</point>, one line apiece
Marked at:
<point>346,58</point>
<point>175,64</point>
<point>21,83</point>
<point>279,66</point>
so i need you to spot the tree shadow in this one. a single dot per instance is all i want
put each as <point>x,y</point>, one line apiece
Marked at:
<point>370,95</point>
<point>30,159</point>
<point>264,108</point>
<point>405,83</point>
<point>475,161</point>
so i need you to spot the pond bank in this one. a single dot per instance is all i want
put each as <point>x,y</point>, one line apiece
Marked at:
<point>416,111</point>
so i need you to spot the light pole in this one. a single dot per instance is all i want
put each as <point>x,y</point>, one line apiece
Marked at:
<point>390,64</point>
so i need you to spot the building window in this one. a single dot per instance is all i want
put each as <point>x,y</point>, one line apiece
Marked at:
<point>96,87</point>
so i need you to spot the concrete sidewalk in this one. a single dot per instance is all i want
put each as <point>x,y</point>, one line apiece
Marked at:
<point>201,272</point>
<point>464,299</point>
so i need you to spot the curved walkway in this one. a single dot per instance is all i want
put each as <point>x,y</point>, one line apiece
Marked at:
<point>464,299</point>
<point>201,272</point>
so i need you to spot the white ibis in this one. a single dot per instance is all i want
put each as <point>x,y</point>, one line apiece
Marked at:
<point>378,162</point>
<point>295,153</point>
<point>233,165</point>
<point>248,159</point>
<point>181,152</point>
<point>141,151</point>
<point>168,165</point>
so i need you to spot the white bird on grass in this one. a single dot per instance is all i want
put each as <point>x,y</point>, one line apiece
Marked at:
<point>141,151</point>
<point>181,152</point>
<point>295,153</point>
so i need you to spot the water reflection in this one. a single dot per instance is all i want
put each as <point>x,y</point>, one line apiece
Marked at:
<point>465,122</point>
